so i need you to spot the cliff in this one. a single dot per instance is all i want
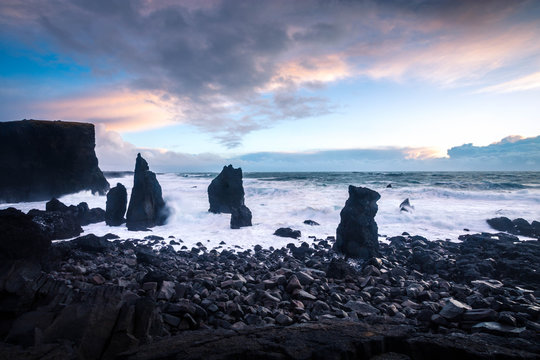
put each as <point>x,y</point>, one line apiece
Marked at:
<point>44,159</point>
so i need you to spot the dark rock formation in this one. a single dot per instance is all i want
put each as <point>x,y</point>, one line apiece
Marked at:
<point>501,224</point>
<point>288,232</point>
<point>406,206</point>
<point>226,191</point>
<point>85,215</point>
<point>146,205</point>
<point>81,212</point>
<point>20,237</point>
<point>116,205</point>
<point>240,217</point>
<point>56,205</point>
<point>311,223</point>
<point>517,226</point>
<point>45,159</point>
<point>56,224</point>
<point>356,235</point>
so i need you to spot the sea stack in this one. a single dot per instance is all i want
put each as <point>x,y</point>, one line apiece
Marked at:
<point>356,235</point>
<point>116,205</point>
<point>226,191</point>
<point>45,159</point>
<point>146,205</point>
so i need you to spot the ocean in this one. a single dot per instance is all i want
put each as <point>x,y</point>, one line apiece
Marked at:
<point>446,205</point>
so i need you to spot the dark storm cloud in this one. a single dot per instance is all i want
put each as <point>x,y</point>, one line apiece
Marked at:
<point>232,67</point>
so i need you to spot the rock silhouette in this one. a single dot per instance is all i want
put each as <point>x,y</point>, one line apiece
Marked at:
<point>146,205</point>
<point>357,231</point>
<point>116,205</point>
<point>240,217</point>
<point>44,159</point>
<point>226,191</point>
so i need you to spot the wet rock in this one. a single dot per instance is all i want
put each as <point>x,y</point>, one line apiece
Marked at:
<point>288,232</point>
<point>226,191</point>
<point>240,217</point>
<point>496,328</point>
<point>479,315</point>
<point>283,320</point>
<point>56,224</point>
<point>361,308</point>
<point>453,309</point>
<point>357,235</point>
<point>501,224</point>
<point>311,223</point>
<point>406,206</point>
<point>91,243</point>
<point>339,269</point>
<point>293,284</point>
<point>21,238</point>
<point>146,206</point>
<point>116,205</point>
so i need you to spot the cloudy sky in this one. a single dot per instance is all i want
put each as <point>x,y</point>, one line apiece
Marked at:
<point>283,85</point>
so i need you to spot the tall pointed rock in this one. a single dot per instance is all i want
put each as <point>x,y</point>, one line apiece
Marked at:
<point>146,205</point>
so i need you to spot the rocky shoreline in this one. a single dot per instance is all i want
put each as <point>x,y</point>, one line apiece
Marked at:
<point>140,299</point>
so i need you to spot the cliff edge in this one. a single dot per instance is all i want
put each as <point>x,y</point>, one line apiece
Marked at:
<point>44,159</point>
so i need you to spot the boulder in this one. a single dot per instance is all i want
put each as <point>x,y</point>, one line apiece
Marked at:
<point>356,235</point>
<point>87,216</point>
<point>226,191</point>
<point>56,205</point>
<point>116,205</point>
<point>240,217</point>
<point>146,205</point>
<point>406,206</point>
<point>340,269</point>
<point>501,224</point>
<point>82,212</point>
<point>44,159</point>
<point>453,310</point>
<point>57,225</point>
<point>522,227</point>
<point>311,223</point>
<point>20,237</point>
<point>288,232</point>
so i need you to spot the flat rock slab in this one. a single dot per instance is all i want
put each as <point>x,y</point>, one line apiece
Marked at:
<point>326,340</point>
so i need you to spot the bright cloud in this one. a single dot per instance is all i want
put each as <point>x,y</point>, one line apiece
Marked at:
<point>234,67</point>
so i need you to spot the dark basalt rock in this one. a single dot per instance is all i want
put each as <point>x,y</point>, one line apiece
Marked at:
<point>20,237</point>
<point>501,224</point>
<point>87,216</point>
<point>45,159</point>
<point>226,191</point>
<point>57,225</point>
<point>81,212</point>
<point>288,232</point>
<point>311,223</point>
<point>56,205</point>
<point>517,226</point>
<point>240,217</point>
<point>116,205</point>
<point>406,206</point>
<point>146,205</point>
<point>356,235</point>
<point>340,269</point>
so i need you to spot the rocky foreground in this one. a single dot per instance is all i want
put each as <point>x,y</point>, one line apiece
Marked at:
<point>103,298</point>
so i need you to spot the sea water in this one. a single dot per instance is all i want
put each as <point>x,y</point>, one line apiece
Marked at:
<point>446,205</point>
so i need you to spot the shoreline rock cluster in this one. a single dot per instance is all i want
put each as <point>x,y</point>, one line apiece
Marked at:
<point>102,297</point>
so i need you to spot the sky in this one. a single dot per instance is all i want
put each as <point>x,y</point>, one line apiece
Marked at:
<point>282,85</point>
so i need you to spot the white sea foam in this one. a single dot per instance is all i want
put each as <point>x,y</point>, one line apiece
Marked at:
<point>439,213</point>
